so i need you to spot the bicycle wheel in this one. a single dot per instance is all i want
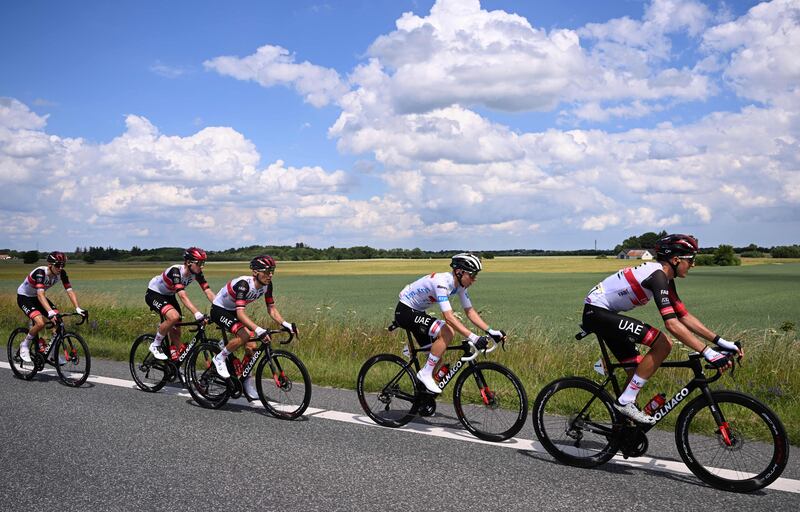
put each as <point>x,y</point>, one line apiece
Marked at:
<point>206,387</point>
<point>744,453</point>
<point>283,385</point>
<point>20,368</point>
<point>149,373</point>
<point>573,418</point>
<point>490,401</point>
<point>387,390</point>
<point>72,360</point>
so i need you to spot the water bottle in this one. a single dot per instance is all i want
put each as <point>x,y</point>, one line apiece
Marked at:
<point>173,353</point>
<point>441,373</point>
<point>237,366</point>
<point>653,405</point>
<point>181,349</point>
<point>406,352</point>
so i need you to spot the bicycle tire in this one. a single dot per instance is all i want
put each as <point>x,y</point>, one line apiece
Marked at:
<point>285,390</point>
<point>756,454</point>
<point>562,421</point>
<point>207,388</point>
<point>77,363</point>
<point>21,369</point>
<point>387,390</point>
<point>496,408</point>
<point>148,373</point>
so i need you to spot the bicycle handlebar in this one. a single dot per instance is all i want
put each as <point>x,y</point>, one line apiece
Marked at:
<point>61,316</point>
<point>270,332</point>
<point>475,350</point>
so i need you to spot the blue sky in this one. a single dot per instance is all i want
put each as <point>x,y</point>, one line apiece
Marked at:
<point>433,124</point>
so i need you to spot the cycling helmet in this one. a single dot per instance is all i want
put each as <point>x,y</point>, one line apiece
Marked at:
<point>263,263</point>
<point>466,261</point>
<point>57,258</point>
<point>195,254</point>
<point>676,245</point>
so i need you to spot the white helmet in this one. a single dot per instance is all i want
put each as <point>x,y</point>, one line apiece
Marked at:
<point>466,261</point>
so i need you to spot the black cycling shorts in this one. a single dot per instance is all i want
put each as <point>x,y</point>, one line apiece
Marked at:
<point>162,303</point>
<point>225,318</point>
<point>621,333</point>
<point>424,327</point>
<point>32,307</point>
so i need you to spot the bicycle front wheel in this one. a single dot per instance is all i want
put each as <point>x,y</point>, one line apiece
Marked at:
<point>573,418</point>
<point>72,359</point>
<point>745,451</point>
<point>206,386</point>
<point>20,368</point>
<point>387,391</point>
<point>490,401</point>
<point>283,385</point>
<point>148,373</point>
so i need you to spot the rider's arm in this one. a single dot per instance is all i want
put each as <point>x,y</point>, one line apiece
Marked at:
<point>683,334</point>
<point>476,319</point>
<point>456,324</point>
<point>201,280</point>
<point>73,298</point>
<point>272,309</point>
<point>68,287</point>
<point>241,315</point>
<point>43,299</point>
<point>186,302</point>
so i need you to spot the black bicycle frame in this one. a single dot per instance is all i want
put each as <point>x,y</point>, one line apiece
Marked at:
<point>264,348</point>
<point>59,334</point>
<point>699,381</point>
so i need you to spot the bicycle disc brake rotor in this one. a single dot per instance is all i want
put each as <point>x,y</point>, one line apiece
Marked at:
<point>635,445</point>
<point>735,437</point>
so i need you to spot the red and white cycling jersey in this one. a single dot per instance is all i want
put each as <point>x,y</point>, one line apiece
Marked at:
<point>434,289</point>
<point>241,291</point>
<point>631,287</point>
<point>41,279</point>
<point>175,279</point>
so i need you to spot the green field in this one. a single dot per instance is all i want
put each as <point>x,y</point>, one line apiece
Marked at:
<point>342,307</point>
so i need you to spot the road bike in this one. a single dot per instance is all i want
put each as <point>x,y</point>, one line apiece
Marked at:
<point>66,351</point>
<point>728,439</point>
<point>282,381</point>
<point>151,374</point>
<point>488,398</point>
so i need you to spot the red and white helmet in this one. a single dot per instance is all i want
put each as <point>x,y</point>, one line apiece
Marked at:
<point>263,263</point>
<point>57,258</point>
<point>195,254</point>
<point>676,245</point>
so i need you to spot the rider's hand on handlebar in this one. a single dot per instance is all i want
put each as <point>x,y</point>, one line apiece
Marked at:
<point>52,314</point>
<point>291,327</point>
<point>262,334</point>
<point>496,335</point>
<point>730,346</point>
<point>199,316</point>
<point>82,312</point>
<point>481,343</point>
<point>717,360</point>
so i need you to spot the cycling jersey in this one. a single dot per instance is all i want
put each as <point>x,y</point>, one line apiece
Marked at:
<point>175,279</point>
<point>631,287</point>
<point>241,291</point>
<point>41,279</point>
<point>433,289</point>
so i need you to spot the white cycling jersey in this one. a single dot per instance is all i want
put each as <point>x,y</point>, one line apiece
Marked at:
<point>41,279</point>
<point>240,292</point>
<point>433,289</point>
<point>175,279</point>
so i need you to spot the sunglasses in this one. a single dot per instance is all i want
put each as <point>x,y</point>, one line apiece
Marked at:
<point>198,263</point>
<point>268,270</point>
<point>690,259</point>
<point>473,275</point>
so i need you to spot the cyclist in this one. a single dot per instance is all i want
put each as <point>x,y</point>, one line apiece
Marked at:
<point>436,288</point>
<point>631,287</point>
<point>163,288</point>
<point>32,300</point>
<point>228,311</point>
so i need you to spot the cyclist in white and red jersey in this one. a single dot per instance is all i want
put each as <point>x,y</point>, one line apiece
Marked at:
<point>437,288</point>
<point>32,300</point>
<point>631,287</point>
<point>161,293</point>
<point>228,311</point>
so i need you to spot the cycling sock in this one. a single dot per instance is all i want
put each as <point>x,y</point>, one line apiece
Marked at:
<point>431,364</point>
<point>224,353</point>
<point>158,339</point>
<point>629,395</point>
<point>26,342</point>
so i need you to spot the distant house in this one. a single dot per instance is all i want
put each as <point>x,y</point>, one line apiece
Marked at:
<point>635,254</point>
<point>5,257</point>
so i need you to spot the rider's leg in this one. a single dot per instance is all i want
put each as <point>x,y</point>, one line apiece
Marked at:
<point>170,318</point>
<point>444,335</point>
<point>241,337</point>
<point>37,324</point>
<point>659,350</point>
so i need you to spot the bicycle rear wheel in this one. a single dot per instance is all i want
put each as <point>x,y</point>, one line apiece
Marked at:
<point>490,401</point>
<point>573,418</point>
<point>744,453</point>
<point>387,390</point>
<point>149,373</point>
<point>206,387</point>
<point>283,385</point>
<point>72,360</point>
<point>20,368</point>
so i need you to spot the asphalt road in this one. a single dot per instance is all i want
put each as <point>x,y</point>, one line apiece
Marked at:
<point>109,446</point>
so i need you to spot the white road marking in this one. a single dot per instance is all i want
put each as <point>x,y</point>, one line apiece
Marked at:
<point>650,463</point>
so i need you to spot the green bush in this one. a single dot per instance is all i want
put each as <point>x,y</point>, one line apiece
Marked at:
<point>30,256</point>
<point>786,251</point>
<point>725,257</point>
<point>704,260</point>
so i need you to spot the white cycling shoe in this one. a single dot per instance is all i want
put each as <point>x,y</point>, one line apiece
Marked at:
<point>428,381</point>
<point>25,354</point>
<point>222,368</point>
<point>631,411</point>
<point>250,391</point>
<point>157,352</point>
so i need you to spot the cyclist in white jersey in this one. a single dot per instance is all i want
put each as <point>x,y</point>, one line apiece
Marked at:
<point>228,311</point>
<point>162,290</point>
<point>437,288</point>
<point>32,300</point>
<point>631,287</point>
